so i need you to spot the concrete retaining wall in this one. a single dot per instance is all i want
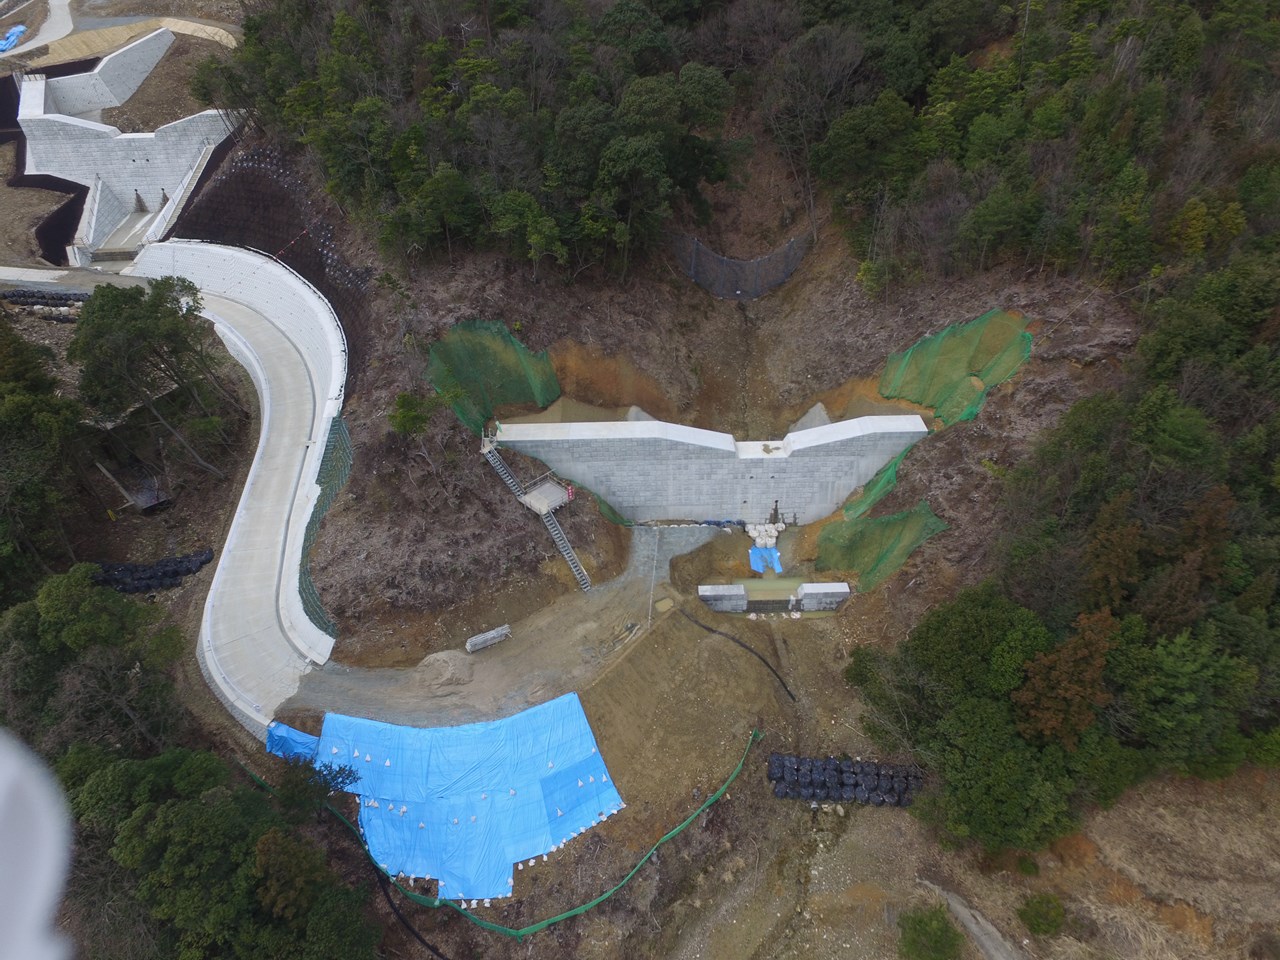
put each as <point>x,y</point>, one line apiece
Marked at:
<point>724,598</point>
<point>813,597</point>
<point>651,470</point>
<point>112,82</point>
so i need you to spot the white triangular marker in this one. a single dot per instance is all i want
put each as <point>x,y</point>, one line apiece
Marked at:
<point>388,763</point>
<point>333,749</point>
<point>421,825</point>
<point>580,783</point>
<point>592,779</point>
<point>559,812</point>
<point>367,758</point>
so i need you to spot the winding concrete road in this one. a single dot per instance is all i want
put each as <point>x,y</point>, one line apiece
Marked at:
<point>256,641</point>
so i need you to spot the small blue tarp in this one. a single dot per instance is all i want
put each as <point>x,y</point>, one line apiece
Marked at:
<point>11,38</point>
<point>463,804</point>
<point>762,557</point>
<point>284,741</point>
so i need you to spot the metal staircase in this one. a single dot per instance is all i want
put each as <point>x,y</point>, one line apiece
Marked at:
<point>566,549</point>
<point>490,451</point>
<point>489,448</point>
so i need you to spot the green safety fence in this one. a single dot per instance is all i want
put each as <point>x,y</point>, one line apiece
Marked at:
<point>877,548</point>
<point>479,366</point>
<point>521,933</point>
<point>335,469</point>
<point>952,370</point>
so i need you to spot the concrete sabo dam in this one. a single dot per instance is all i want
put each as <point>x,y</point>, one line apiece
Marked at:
<point>652,470</point>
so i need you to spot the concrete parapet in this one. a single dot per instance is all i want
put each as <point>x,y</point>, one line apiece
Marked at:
<point>724,598</point>
<point>653,470</point>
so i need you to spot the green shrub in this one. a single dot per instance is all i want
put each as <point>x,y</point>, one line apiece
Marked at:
<point>1264,748</point>
<point>1028,867</point>
<point>1042,914</point>
<point>927,934</point>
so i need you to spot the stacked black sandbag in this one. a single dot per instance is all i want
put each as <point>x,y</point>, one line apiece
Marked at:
<point>819,780</point>
<point>164,574</point>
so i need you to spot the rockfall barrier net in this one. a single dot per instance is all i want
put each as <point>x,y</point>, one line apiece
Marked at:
<point>478,365</point>
<point>335,468</point>
<point>731,279</point>
<point>952,370</point>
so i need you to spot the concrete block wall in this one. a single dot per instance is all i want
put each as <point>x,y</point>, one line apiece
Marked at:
<point>724,598</point>
<point>813,597</point>
<point>663,471</point>
<point>115,79</point>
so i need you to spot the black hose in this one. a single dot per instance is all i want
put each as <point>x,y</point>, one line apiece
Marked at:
<point>404,921</point>
<point>695,620</point>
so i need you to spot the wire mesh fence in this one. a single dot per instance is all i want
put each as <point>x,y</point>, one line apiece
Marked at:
<point>335,468</point>
<point>730,279</point>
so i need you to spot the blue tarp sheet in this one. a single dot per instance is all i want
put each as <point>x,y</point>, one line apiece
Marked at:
<point>10,39</point>
<point>463,804</point>
<point>284,741</point>
<point>762,557</point>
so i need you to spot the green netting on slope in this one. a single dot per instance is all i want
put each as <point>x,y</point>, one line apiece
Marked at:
<point>876,489</point>
<point>335,468</point>
<point>876,548</point>
<point>952,370</point>
<point>479,365</point>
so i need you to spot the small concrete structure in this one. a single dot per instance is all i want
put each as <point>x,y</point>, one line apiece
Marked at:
<point>724,598</point>
<point>137,181</point>
<point>815,597</point>
<point>545,496</point>
<point>652,470</point>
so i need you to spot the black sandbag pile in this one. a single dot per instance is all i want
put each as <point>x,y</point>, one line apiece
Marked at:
<point>835,780</point>
<point>148,577</point>
<point>60,305</point>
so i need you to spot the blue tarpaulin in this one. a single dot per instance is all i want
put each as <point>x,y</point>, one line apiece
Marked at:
<point>762,557</point>
<point>284,741</point>
<point>10,39</point>
<point>463,804</point>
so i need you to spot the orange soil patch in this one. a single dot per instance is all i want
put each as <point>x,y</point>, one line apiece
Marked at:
<point>585,373</point>
<point>859,397</point>
<point>1080,854</point>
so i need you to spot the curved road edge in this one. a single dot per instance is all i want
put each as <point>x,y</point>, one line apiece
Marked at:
<point>256,640</point>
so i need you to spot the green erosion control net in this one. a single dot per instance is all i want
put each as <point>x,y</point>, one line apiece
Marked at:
<point>877,489</point>
<point>483,366</point>
<point>876,548</point>
<point>522,932</point>
<point>335,468</point>
<point>952,370</point>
